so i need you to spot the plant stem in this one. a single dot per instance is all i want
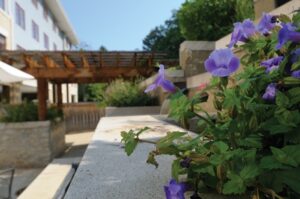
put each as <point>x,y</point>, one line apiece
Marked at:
<point>205,119</point>
<point>146,141</point>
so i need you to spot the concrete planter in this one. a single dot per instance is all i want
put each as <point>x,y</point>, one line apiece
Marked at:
<point>216,196</point>
<point>135,110</point>
<point>31,144</point>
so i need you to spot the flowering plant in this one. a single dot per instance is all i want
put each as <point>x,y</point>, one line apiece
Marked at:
<point>251,145</point>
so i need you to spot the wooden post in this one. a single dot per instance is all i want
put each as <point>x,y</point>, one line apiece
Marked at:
<point>42,98</point>
<point>59,96</point>
<point>67,85</point>
<point>54,93</point>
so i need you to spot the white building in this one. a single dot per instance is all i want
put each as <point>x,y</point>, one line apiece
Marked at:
<point>38,25</point>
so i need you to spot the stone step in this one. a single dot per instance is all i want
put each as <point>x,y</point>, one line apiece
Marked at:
<point>52,181</point>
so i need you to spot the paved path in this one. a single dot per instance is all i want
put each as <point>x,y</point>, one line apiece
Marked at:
<point>76,145</point>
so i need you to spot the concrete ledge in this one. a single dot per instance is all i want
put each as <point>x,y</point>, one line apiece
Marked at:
<point>52,181</point>
<point>107,172</point>
<point>135,110</point>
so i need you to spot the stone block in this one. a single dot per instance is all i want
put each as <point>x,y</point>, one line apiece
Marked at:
<point>30,144</point>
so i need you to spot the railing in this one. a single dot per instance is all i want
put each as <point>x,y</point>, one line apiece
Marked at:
<point>82,116</point>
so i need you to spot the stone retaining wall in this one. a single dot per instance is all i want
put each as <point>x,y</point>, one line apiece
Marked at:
<point>30,144</point>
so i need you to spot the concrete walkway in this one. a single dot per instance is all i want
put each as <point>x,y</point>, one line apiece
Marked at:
<point>76,145</point>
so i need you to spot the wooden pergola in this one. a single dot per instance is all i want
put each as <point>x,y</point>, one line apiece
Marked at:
<point>60,67</point>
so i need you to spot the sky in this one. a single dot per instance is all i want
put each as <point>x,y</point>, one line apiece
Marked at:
<point>117,24</point>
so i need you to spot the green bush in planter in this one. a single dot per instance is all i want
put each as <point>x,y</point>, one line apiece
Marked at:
<point>252,145</point>
<point>122,93</point>
<point>27,111</point>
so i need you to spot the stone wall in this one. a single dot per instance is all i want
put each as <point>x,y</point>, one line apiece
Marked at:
<point>30,144</point>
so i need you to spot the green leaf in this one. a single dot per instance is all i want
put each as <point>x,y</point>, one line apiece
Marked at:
<point>130,141</point>
<point>206,168</point>
<point>293,151</point>
<point>269,162</point>
<point>282,100</point>
<point>282,157</point>
<point>142,131</point>
<point>235,185</point>
<point>231,99</point>
<point>151,159</point>
<point>274,127</point>
<point>249,172</point>
<point>252,141</point>
<point>190,144</point>
<point>291,178</point>
<point>168,140</point>
<point>284,18</point>
<point>219,147</point>
<point>130,146</point>
<point>175,169</point>
<point>291,81</point>
<point>294,95</point>
<point>296,66</point>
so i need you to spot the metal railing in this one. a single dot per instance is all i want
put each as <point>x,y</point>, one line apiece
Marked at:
<point>82,116</point>
<point>6,181</point>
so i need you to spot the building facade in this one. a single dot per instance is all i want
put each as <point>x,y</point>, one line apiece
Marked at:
<point>37,25</point>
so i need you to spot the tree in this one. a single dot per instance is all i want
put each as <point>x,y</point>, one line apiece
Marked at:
<point>102,48</point>
<point>165,38</point>
<point>210,20</point>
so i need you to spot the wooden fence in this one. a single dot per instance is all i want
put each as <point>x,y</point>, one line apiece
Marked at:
<point>82,116</point>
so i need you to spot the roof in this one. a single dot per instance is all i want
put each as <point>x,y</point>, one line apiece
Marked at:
<point>62,20</point>
<point>83,66</point>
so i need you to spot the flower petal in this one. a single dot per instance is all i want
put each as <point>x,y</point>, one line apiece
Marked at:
<point>234,64</point>
<point>222,57</point>
<point>161,72</point>
<point>210,65</point>
<point>151,87</point>
<point>270,93</point>
<point>296,74</point>
<point>168,86</point>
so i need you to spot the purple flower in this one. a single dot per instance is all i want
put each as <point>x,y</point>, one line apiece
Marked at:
<point>222,63</point>
<point>242,31</point>
<point>296,74</point>
<point>270,92</point>
<point>287,33</point>
<point>266,24</point>
<point>295,55</point>
<point>175,190</point>
<point>185,163</point>
<point>272,64</point>
<point>162,82</point>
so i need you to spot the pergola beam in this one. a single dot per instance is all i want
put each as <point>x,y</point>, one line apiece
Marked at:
<point>92,72</point>
<point>67,61</point>
<point>49,62</point>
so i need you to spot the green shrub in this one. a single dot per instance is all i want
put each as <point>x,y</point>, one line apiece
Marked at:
<point>25,112</point>
<point>125,93</point>
<point>210,20</point>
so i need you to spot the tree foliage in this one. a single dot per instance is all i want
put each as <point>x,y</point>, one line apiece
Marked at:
<point>165,38</point>
<point>210,20</point>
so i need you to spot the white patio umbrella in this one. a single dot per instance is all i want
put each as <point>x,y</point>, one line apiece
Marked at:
<point>10,74</point>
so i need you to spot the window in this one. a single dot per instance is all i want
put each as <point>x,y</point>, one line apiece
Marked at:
<point>54,47</point>
<point>2,42</point>
<point>35,31</point>
<point>45,12</point>
<point>46,41</point>
<point>2,4</point>
<point>20,16</point>
<point>20,47</point>
<point>54,26</point>
<point>35,3</point>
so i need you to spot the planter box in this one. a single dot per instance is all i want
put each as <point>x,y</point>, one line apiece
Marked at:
<point>30,144</point>
<point>135,110</point>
